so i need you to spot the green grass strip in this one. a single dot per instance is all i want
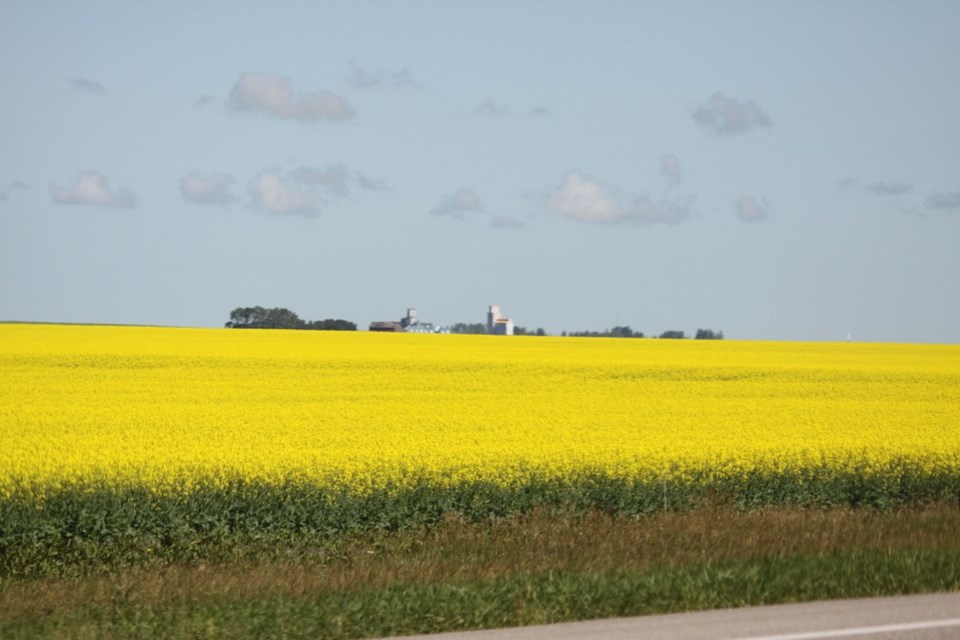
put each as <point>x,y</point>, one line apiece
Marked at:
<point>510,601</point>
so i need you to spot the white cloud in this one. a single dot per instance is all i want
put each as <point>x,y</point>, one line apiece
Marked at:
<point>726,116</point>
<point>19,184</point>
<point>360,78</point>
<point>16,185</point>
<point>749,209</point>
<point>272,94</point>
<point>506,222</point>
<point>334,178</point>
<point>887,188</point>
<point>337,179</point>
<point>207,189</point>
<point>91,188</point>
<point>369,184</point>
<point>491,108</point>
<point>579,197</point>
<point>670,169</point>
<point>945,201</point>
<point>879,188</point>
<point>458,203</point>
<point>88,85</point>
<point>403,79</point>
<point>270,191</point>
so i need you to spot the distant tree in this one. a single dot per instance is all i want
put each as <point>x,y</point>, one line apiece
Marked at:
<point>675,335</point>
<point>523,331</point>
<point>281,318</point>
<point>471,328</point>
<point>625,332</point>
<point>708,334</point>
<point>331,324</point>
<point>616,332</point>
<point>247,317</point>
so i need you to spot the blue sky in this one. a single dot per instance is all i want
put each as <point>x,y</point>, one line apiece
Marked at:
<point>772,170</point>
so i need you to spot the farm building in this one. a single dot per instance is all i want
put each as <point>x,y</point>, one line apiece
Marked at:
<point>497,324</point>
<point>386,326</point>
<point>410,323</point>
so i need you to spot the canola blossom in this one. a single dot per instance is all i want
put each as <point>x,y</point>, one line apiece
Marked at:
<point>171,407</point>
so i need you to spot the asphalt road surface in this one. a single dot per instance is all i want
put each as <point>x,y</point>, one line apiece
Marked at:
<point>920,617</point>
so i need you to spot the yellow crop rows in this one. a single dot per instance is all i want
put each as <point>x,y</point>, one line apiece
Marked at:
<point>157,406</point>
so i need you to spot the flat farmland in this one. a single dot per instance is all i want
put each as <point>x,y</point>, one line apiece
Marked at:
<point>139,449</point>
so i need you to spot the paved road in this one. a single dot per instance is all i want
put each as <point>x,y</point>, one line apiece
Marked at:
<point>923,617</point>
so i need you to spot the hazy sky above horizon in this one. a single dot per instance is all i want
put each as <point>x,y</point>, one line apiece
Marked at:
<point>774,170</point>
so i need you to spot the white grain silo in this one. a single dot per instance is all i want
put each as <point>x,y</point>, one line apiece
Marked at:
<point>498,325</point>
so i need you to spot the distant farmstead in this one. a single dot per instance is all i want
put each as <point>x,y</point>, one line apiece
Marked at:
<point>497,323</point>
<point>408,324</point>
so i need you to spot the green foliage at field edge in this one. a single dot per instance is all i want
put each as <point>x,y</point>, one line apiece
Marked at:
<point>100,526</point>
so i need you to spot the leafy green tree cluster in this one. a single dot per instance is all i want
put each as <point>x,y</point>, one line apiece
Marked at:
<point>282,318</point>
<point>616,332</point>
<point>481,328</point>
<point>465,327</point>
<point>708,334</point>
<point>523,331</point>
<point>330,324</point>
<point>625,332</point>
<point>673,335</point>
<point>262,318</point>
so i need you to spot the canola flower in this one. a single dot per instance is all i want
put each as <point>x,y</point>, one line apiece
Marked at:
<point>167,407</point>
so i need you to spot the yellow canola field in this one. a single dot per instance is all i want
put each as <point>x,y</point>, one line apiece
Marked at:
<point>162,405</point>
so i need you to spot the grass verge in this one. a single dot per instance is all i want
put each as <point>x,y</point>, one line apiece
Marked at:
<point>536,568</point>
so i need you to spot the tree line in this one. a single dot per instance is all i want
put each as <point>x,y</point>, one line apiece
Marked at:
<point>281,318</point>
<point>616,332</point>
<point>627,332</point>
<point>479,328</point>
